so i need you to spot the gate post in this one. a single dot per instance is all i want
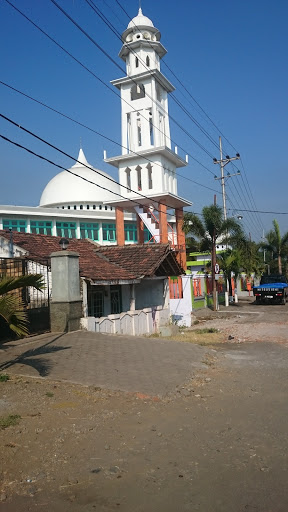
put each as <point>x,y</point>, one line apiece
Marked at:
<point>66,302</point>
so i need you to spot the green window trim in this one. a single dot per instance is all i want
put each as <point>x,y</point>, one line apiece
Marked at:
<point>15,225</point>
<point>130,233</point>
<point>89,230</point>
<point>41,227</point>
<point>109,232</point>
<point>66,229</point>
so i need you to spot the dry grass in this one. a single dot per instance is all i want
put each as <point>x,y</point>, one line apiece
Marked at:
<point>200,336</point>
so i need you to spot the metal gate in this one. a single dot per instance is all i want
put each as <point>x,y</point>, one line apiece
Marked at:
<point>36,302</point>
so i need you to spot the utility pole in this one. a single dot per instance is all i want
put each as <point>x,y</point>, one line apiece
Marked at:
<point>213,261</point>
<point>222,162</point>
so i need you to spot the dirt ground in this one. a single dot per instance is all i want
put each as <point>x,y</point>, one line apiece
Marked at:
<point>216,444</point>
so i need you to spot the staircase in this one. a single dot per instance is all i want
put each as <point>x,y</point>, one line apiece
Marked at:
<point>152,224</point>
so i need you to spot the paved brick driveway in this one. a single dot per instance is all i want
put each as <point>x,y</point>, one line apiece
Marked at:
<point>148,366</point>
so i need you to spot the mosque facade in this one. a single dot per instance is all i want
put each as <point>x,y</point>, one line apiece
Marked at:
<point>144,204</point>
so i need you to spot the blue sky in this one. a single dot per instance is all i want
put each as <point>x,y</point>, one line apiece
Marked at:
<point>231,56</point>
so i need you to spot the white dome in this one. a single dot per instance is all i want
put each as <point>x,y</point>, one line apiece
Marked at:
<point>140,21</point>
<point>65,188</point>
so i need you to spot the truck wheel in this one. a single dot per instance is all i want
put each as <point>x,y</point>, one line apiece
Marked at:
<point>284,300</point>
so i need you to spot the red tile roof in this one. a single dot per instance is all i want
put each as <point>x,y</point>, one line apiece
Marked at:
<point>104,263</point>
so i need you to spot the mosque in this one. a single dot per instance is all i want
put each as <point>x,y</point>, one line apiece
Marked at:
<point>144,204</point>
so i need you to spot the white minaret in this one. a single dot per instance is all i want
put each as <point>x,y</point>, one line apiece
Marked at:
<point>147,164</point>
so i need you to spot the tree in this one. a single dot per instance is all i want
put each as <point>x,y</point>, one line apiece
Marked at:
<point>229,262</point>
<point>251,260</point>
<point>276,244</point>
<point>12,308</point>
<point>212,230</point>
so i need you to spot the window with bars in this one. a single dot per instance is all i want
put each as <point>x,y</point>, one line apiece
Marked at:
<point>66,229</point>
<point>109,232</point>
<point>89,230</point>
<point>41,227</point>
<point>130,232</point>
<point>15,225</point>
<point>115,299</point>
<point>95,299</point>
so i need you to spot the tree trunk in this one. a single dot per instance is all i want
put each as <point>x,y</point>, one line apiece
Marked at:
<point>280,264</point>
<point>213,260</point>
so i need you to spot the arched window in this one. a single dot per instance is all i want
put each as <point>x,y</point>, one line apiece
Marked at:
<point>137,92</point>
<point>139,130</point>
<point>137,62</point>
<point>128,179</point>
<point>150,182</point>
<point>151,128</point>
<point>148,61</point>
<point>139,178</point>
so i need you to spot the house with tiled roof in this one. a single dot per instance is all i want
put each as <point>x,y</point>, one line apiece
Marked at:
<point>124,289</point>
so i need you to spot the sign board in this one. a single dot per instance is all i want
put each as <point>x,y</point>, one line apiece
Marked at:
<point>217,269</point>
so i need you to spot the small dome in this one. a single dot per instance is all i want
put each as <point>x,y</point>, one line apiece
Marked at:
<point>65,188</point>
<point>140,21</point>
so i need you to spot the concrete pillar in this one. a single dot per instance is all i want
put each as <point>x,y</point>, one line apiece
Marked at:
<point>140,230</point>
<point>120,233</point>
<point>132,297</point>
<point>163,224</point>
<point>181,242</point>
<point>66,303</point>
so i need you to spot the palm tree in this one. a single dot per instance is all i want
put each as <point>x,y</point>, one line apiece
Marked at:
<point>229,262</point>
<point>212,230</point>
<point>12,308</point>
<point>276,244</point>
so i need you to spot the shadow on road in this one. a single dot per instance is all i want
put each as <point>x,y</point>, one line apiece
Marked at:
<point>30,357</point>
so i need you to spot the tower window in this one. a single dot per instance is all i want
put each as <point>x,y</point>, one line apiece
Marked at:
<point>137,92</point>
<point>151,128</point>
<point>139,130</point>
<point>150,183</point>
<point>139,178</point>
<point>75,207</point>
<point>128,179</point>
<point>88,206</point>
<point>148,61</point>
<point>81,206</point>
<point>137,62</point>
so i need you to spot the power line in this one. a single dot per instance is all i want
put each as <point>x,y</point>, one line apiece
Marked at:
<point>209,118</point>
<point>100,134</point>
<point>263,211</point>
<point>92,40</point>
<point>74,159</point>
<point>173,97</point>
<point>97,77</point>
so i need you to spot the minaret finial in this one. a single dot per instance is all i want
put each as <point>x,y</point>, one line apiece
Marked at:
<point>140,10</point>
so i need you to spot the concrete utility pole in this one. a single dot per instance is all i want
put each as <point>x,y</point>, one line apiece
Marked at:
<point>222,162</point>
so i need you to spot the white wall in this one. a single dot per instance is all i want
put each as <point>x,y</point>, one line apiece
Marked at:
<point>132,323</point>
<point>181,308</point>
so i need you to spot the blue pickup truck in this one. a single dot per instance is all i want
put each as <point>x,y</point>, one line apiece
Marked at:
<point>272,288</point>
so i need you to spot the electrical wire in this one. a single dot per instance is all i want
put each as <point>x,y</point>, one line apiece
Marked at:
<point>91,39</point>
<point>102,135</point>
<point>97,77</point>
